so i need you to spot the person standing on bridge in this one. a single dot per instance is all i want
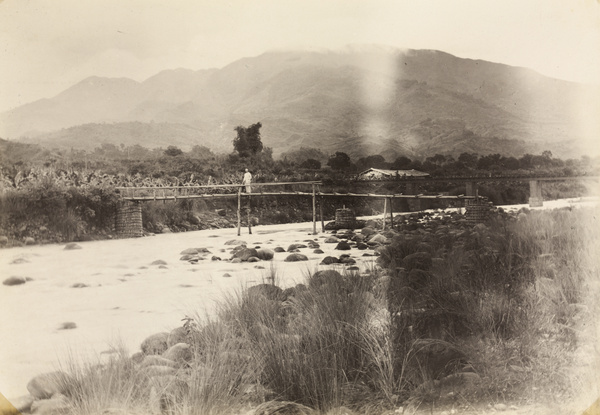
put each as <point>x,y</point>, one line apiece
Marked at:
<point>247,180</point>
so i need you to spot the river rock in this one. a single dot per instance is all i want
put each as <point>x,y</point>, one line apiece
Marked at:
<point>158,262</point>
<point>328,260</point>
<point>180,353</point>
<point>69,325</point>
<point>235,242</point>
<point>378,239</point>
<point>14,281</point>
<point>59,404</point>
<point>72,245</point>
<point>22,403</point>
<point>282,408</point>
<point>189,251</point>
<point>420,260</point>
<point>295,257</point>
<point>47,384</point>
<point>318,251</point>
<point>367,231</point>
<point>324,277</point>
<point>268,291</point>
<point>245,253</point>
<point>155,344</point>
<point>265,254</point>
<point>278,249</point>
<point>293,247</point>
<point>331,240</point>
<point>343,246</point>
<point>29,241</point>
<point>79,285</point>
<point>177,335</point>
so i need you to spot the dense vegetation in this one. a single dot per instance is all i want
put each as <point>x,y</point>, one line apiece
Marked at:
<point>70,194</point>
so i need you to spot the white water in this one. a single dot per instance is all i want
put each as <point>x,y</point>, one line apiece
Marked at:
<point>127,298</point>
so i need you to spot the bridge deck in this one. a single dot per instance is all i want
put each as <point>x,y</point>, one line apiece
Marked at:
<point>334,194</point>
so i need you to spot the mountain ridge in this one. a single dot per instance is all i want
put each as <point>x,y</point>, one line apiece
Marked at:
<point>390,102</point>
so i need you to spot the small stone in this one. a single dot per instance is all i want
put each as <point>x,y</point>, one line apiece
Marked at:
<point>215,258</point>
<point>227,275</point>
<point>69,325</point>
<point>278,249</point>
<point>71,246</point>
<point>14,281</point>
<point>159,262</point>
<point>79,285</point>
<point>296,257</point>
<point>29,241</point>
<point>189,251</point>
<point>500,407</point>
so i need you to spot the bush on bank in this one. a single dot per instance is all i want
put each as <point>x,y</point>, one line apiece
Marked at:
<point>51,212</point>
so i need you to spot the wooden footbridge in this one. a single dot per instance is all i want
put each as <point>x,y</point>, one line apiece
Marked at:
<point>129,219</point>
<point>132,196</point>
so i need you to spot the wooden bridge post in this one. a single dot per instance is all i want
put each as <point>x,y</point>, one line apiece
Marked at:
<point>385,203</point>
<point>391,213</point>
<point>314,207</point>
<point>321,214</point>
<point>535,194</point>
<point>248,209</point>
<point>239,211</point>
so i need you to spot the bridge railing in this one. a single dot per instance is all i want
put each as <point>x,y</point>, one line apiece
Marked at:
<point>174,192</point>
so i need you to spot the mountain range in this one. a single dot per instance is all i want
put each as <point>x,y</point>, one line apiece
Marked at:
<point>361,100</point>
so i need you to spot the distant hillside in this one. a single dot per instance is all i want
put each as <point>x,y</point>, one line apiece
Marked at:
<point>363,100</point>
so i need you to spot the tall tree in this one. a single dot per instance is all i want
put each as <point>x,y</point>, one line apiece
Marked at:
<point>248,140</point>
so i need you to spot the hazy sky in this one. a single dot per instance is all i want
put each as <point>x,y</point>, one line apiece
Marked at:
<point>48,45</point>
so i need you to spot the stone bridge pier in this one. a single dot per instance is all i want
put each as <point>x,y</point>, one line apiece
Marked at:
<point>472,189</point>
<point>128,221</point>
<point>535,194</point>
